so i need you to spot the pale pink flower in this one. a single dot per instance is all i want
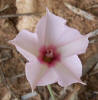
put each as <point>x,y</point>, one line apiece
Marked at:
<point>52,52</point>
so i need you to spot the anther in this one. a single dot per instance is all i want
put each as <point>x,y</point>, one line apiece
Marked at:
<point>49,53</point>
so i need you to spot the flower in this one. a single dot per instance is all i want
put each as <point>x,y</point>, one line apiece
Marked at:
<point>52,52</point>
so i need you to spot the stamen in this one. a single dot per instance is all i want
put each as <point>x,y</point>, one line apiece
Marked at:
<point>49,55</point>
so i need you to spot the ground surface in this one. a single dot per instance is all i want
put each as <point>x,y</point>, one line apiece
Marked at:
<point>12,63</point>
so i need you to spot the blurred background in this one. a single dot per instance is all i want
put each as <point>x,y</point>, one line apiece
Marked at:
<point>13,83</point>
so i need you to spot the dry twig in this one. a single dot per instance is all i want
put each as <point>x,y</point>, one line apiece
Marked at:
<point>6,7</point>
<point>94,33</point>
<point>18,76</point>
<point>93,6</point>
<point>89,64</point>
<point>95,70</point>
<point>93,41</point>
<point>17,15</point>
<point>28,96</point>
<point>80,12</point>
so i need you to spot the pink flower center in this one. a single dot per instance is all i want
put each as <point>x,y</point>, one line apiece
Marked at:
<point>49,55</point>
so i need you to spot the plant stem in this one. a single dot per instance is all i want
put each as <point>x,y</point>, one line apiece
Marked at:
<point>51,92</point>
<point>21,14</point>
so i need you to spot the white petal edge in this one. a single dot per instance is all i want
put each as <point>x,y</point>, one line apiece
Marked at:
<point>69,71</point>
<point>26,43</point>
<point>34,72</point>
<point>75,47</point>
<point>49,28</point>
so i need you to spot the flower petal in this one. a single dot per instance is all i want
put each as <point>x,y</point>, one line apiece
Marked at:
<point>26,43</point>
<point>78,46</point>
<point>34,72</point>
<point>69,35</point>
<point>49,28</point>
<point>49,78</point>
<point>74,64</point>
<point>69,71</point>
